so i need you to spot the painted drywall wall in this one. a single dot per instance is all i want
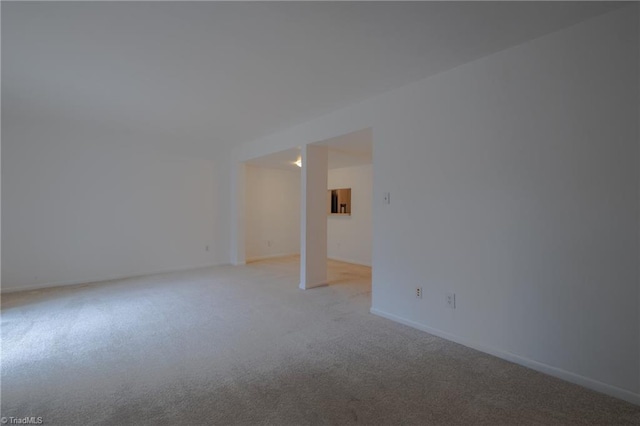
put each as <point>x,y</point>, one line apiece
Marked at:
<point>514,184</point>
<point>349,237</point>
<point>272,213</point>
<point>85,202</point>
<point>313,216</point>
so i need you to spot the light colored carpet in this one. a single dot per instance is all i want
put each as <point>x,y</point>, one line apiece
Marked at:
<point>243,345</point>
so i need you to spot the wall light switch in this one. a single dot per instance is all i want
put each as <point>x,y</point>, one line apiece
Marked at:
<point>451,300</point>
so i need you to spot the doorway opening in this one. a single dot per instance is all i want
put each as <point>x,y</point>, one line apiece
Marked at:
<point>349,207</point>
<point>272,206</point>
<point>282,219</point>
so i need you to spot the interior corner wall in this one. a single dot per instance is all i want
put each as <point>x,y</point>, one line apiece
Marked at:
<point>83,203</point>
<point>514,183</point>
<point>272,215</point>
<point>349,237</point>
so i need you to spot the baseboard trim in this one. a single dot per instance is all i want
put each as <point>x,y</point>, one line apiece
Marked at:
<point>105,278</point>
<point>310,286</point>
<point>270,256</point>
<point>568,376</point>
<point>273,256</point>
<point>355,262</point>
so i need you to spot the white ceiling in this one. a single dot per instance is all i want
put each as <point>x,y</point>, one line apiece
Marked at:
<point>230,72</point>
<point>352,149</point>
<point>283,160</point>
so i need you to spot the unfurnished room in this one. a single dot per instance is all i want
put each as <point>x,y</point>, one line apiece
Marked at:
<point>306,213</point>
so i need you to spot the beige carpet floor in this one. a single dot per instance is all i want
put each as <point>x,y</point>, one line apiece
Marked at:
<point>243,345</point>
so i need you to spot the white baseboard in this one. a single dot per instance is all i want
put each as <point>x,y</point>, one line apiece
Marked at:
<point>345,260</point>
<point>270,256</point>
<point>104,278</point>
<point>310,286</point>
<point>577,379</point>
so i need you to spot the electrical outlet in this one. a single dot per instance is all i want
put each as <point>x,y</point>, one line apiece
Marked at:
<point>268,243</point>
<point>387,198</point>
<point>206,248</point>
<point>451,300</point>
<point>418,292</point>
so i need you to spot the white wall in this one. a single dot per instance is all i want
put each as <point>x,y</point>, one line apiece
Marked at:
<point>313,216</point>
<point>85,202</point>
<point>272,212</point>
<point>349,237</point>
<point>272,215</point>
<point>514,184</point>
